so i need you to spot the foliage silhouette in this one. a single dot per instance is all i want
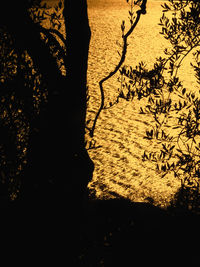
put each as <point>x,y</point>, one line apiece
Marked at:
<point>174,108</point>
<point>33,138</point>
<point>34,113</point>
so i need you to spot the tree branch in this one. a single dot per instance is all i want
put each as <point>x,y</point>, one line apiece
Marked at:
<point>48,33</point>
<point>118,66</point>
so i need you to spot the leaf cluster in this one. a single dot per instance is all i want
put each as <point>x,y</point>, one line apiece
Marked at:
<point>175,109</point>
<point>19,109</point>
<point>41,14</point>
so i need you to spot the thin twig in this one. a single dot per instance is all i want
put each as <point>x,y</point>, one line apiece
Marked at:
<point>118,66</point>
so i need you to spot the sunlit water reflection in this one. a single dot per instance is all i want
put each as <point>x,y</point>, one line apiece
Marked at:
<point>120,130</point>
<point>119,169</point>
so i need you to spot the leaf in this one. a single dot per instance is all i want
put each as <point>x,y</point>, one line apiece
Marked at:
<point>60,4</point>
<point>130,13</point>
<point>44,5</point>
<point>166,6</point>
<point>157,167</point>
<point>164,147</point>
<point>163,168</point>
<point>171,148</point>
<point>123,26</point>
<point>164,175</point>
<point>141,111</point>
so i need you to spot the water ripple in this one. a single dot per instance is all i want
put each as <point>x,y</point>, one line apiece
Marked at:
<point>119,169</point>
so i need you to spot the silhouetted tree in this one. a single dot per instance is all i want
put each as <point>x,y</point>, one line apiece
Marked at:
<point>56,166</point>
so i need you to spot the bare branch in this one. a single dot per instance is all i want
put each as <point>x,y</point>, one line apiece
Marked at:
<point>141,11</point>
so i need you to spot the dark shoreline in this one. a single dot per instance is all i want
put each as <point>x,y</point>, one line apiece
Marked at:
<point>117,232</point>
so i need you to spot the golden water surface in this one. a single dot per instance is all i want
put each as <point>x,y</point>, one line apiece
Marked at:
<point>120,130</point>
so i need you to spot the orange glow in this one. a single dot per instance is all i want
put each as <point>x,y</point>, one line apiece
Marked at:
<point>119,168</point>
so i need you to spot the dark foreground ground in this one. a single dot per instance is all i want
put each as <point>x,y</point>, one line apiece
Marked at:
<point>107,233</point>
<point>138,234</point>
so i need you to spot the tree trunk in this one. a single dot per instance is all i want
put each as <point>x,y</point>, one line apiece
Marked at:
<point>59,167</point>
<point>77,43</point>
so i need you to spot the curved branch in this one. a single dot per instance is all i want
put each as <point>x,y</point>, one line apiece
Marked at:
<point>58,34</point>
<point>48,34</point>
<point>186,54</point>
<point>118,66</point>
